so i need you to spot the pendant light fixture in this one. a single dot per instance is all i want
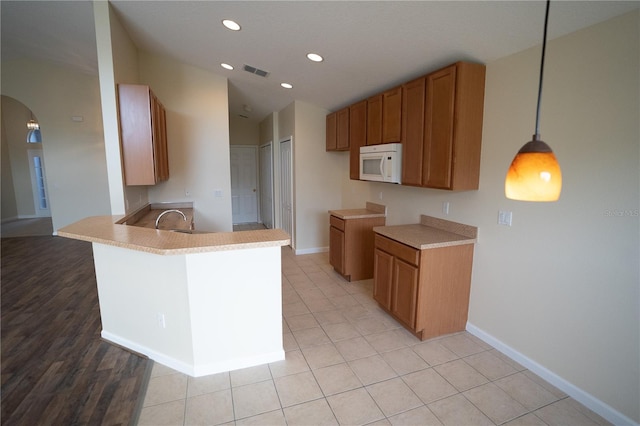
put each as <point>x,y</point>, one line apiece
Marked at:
<point>534,174</point>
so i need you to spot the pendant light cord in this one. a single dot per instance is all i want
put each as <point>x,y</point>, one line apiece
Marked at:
<point>544,47</point>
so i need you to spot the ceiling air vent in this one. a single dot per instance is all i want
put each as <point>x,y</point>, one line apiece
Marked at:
<point>256,71</point>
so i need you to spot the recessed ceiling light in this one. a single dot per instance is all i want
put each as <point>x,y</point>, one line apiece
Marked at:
<point>226,66</point>
<point>232,25</point>
<point>286,85</point>
<point>315,57</point>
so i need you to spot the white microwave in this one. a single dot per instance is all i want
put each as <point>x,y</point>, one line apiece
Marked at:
<point>381,163</point>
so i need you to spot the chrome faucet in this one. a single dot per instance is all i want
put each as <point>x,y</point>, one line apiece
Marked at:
<point>169,211</point>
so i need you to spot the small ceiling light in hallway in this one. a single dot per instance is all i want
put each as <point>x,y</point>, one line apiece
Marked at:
<point>232,25</point>
<point>534,174</point>
<point>286,85</point>
<point>226,66</point>
<point>315,57</point>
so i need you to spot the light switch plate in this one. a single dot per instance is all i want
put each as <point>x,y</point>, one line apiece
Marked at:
<point>504,218</point>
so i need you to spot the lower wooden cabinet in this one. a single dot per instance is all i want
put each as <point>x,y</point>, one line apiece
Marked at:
<point>351,246</point>
<point>426,290</point>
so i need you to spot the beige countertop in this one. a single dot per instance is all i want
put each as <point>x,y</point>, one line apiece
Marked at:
<point>431,232</point>
<point>371,210</point>
<point>106,230</point>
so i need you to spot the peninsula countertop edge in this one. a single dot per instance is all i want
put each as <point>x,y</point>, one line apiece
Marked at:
<point>104,230</point>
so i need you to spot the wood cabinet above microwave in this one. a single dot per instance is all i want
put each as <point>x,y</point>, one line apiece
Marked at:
<point>143,135</point>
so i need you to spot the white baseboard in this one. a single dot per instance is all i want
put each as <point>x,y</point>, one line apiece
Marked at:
<point>194,370</point>
<point>311,250</point>
<point>586,399</point>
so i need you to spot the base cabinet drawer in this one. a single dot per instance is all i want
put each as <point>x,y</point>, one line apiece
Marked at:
<point>429,294</point>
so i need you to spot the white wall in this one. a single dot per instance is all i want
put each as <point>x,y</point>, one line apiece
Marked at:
<point>318,176</point>
<point>117,63</point>
<point>243,131</point>
<point>74,151</point>
<point>561,286</point>
<point>8,204</point>
<point>196,104</point>
<point>268,132</point>
<point>17,193</point>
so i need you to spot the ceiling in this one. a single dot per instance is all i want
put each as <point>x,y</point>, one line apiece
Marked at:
<point>367,46</point>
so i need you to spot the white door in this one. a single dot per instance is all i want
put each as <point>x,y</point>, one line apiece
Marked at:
<point>266,185</point>
<point>38,183</point>
<point>244,184</point>
<point>286,187</point>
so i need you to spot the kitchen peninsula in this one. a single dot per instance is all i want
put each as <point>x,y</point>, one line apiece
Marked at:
<point>200,303</point>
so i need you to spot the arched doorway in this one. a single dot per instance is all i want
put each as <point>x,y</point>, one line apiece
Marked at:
<point>25,202</point>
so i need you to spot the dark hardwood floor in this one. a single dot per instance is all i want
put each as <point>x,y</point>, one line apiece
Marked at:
<point>56,370</point>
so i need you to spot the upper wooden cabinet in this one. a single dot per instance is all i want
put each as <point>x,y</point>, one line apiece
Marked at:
<point>357,136</point>
<point>453,127</point>
<point>338,130</point>
<point>392,115</point>
<point>438,120</point>
<point>374,120</point>
<point>332,132</point>
<point>384,117</point>
<point>413,107</point>
<point>143,135</point>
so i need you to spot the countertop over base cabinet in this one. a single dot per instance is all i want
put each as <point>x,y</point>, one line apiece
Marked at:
<point>426,289</point>
<point>351,240</point>
<point>143,135</point>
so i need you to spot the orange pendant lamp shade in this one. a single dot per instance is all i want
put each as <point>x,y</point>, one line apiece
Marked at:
<point>534,174</point>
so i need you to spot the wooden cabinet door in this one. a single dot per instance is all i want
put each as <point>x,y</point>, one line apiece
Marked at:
<point>382,277</point>
<point>374,120</point>
<point>158,124</point>
<point>392,115</point>
<point>413,102</point>
<point>342,130</point>
<point>143,135</point>
<point>357,136</point>
<point>336,249</point>
<point>332,123</point>
<point>405,291</point>
<point>438,154</point>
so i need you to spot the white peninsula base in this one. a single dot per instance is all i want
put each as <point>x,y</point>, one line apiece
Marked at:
<point>198,313</point>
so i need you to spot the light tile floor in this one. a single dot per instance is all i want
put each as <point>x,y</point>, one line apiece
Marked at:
<point>349,363</point>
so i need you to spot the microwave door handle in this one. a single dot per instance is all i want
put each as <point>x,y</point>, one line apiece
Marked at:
<point>384,157</point>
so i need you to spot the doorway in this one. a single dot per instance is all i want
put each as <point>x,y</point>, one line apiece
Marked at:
<point>244,184</point>
<point>286,187</point>
<point>266,184</point>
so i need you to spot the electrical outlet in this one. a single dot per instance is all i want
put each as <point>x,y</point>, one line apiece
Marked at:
<point>504,218</point>
<point>217,193</point>
<point>445,207</point>
<point>380,195</point>
<point>161,321</point>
